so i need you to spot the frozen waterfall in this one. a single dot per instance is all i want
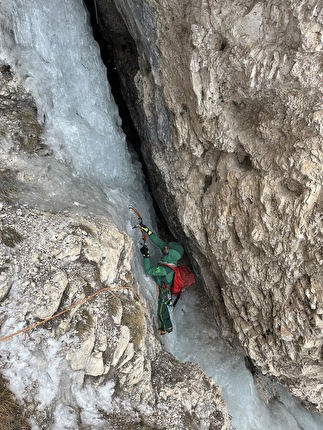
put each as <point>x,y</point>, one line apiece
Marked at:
<point>50,45</point>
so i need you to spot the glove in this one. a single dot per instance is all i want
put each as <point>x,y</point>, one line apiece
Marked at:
<point>146,229</point>
<point>145,251</point>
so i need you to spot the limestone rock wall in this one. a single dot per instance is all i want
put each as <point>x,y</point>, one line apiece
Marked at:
<point>228,100</point>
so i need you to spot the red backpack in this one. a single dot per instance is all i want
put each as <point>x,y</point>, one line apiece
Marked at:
<point>183,278</point>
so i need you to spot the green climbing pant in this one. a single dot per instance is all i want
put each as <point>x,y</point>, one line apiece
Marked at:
<point>163,310</point>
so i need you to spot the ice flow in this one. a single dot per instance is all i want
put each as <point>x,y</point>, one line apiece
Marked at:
<point>50,45</point>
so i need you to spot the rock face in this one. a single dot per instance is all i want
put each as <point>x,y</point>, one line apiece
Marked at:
<point>100,361</point>
<point>227,99</point>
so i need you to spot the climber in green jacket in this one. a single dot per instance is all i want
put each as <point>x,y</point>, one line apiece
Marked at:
<point>172,252</point>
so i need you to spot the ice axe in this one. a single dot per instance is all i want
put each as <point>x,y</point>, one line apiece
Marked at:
<point>144,236</point>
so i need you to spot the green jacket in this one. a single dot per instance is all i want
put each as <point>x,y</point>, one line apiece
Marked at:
<point>164,274</point>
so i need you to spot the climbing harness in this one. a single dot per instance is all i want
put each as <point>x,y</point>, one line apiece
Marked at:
<point>183,278</point>
<point>144,236</point>
<point>79,303</point>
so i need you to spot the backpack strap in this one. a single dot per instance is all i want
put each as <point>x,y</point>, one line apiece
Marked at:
<point>165,286</point>
<point>171,266</point>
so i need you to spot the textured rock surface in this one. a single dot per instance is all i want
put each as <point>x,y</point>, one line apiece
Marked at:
<point>108,336</point>
<point>230,97</point>
<point>49,260</point>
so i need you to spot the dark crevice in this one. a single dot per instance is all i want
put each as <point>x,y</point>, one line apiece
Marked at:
<point>119,45</point>
<point>118,51</point>
<point>113,76</point>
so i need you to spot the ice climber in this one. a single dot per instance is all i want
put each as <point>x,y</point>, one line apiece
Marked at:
<point>172,252</point>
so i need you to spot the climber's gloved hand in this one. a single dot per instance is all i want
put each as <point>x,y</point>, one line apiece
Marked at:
<point>146,229</point>
<point>145,251</point>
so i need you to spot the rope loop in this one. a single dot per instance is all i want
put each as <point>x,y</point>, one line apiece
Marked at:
<point>79,303</point>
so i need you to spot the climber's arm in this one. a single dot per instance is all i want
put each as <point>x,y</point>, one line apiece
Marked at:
<point>153,237</point>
